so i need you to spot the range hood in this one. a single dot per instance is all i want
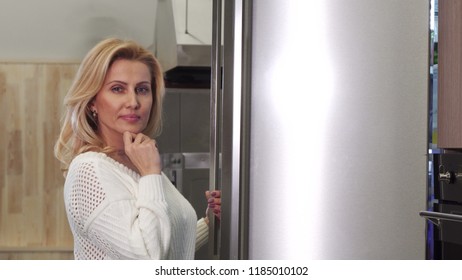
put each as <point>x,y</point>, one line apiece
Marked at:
<point>178,52</point>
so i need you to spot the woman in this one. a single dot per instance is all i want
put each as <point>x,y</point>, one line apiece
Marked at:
<point>118,202</point>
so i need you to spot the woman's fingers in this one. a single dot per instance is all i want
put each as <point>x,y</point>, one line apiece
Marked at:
<point>128,138</point>
<point>214,200</point>
<point>215,194</point>
<point>142,152</point>
<point>214,203</point>
<point>213,197</point>
<point>141,138</point>
<point>216,211</point>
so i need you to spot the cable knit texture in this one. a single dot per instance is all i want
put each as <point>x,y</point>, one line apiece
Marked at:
<point>114,213</point>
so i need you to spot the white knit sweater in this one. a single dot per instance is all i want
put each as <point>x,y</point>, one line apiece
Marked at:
<point>114,213</point>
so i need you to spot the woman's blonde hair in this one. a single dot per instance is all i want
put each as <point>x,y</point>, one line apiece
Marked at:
<point>78,132</point>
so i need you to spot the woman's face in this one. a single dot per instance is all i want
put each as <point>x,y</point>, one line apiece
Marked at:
<point>124,102</point>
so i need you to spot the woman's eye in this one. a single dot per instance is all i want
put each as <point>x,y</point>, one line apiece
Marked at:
<point>117,89</point>
<point>142,90</point>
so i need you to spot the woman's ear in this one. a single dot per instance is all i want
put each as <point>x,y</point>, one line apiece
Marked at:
<point>91,105</point>
<point>93,114</point>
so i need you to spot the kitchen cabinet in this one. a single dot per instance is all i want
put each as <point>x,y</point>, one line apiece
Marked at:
<point>186,121</point>
<point>450,74</point>
<point>33,222</point>
<point>193,21</point>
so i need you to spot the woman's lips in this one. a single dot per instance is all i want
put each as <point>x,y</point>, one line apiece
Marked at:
<point>130,117</point>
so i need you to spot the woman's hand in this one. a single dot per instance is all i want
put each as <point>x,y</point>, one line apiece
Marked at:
<point>142,152</point>
<point>214,203</point>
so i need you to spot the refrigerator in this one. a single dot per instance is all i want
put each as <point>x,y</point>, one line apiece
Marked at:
<point>321,131</point>
<point>318,128</point>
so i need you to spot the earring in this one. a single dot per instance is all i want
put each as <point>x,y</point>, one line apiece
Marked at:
<point>95,115</point>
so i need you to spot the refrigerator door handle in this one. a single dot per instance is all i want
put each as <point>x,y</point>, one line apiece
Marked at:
<point>215,119</point>
<point>437,217</point>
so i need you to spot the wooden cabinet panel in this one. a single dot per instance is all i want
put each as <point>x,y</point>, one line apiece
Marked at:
<point>32,215</point>
<point>450,74</point>
<point>36,254</point>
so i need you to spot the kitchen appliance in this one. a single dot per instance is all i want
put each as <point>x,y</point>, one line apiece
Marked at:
<point>321,139</point>
<point>444,228</point>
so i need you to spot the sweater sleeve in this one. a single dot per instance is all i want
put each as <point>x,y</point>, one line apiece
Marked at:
<point>123,227</point>
<point>202,233</point>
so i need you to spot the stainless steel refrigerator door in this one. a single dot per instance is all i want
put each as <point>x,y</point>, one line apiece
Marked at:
<point>339,129</point>
<point>229,131</point>
<point>215,122</point>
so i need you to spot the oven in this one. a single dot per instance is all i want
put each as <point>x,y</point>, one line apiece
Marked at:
<point>444,213</point>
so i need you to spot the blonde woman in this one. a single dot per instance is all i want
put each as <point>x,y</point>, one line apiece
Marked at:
<point>118,202</point>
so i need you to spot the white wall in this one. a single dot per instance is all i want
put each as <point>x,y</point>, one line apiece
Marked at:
<point>64,30</point>
<point>339,129</point>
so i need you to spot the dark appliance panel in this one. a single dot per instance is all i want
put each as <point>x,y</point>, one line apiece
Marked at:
<point>448,188</point>
<point>445,215</point>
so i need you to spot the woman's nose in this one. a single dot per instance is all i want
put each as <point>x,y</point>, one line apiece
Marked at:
<point>132,99</point>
